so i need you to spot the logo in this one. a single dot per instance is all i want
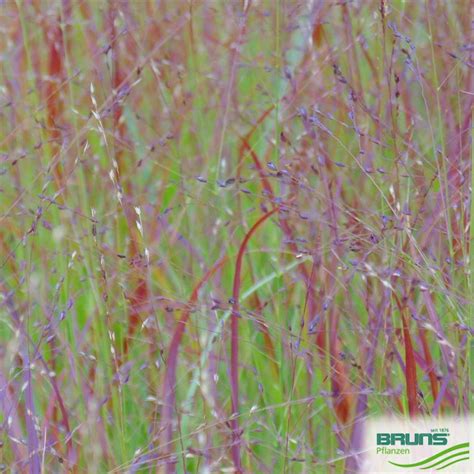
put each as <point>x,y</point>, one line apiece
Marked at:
<point>443,459</point>
<point>417,446</point>
<point>438,461</point>
<point>418,439</point>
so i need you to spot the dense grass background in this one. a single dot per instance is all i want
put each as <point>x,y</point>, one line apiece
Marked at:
<point>230,230</point>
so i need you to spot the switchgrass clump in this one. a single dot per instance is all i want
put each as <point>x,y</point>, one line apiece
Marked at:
<point>230,231</point>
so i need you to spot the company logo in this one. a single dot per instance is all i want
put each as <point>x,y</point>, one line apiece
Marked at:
<point>408,439</point>
<point>418,445</point>
<point>442,459</point>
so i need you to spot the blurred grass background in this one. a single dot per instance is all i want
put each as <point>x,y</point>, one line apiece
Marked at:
<point>140,143</point>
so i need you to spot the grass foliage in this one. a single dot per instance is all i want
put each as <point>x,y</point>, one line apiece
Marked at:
<point>230,230</point>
